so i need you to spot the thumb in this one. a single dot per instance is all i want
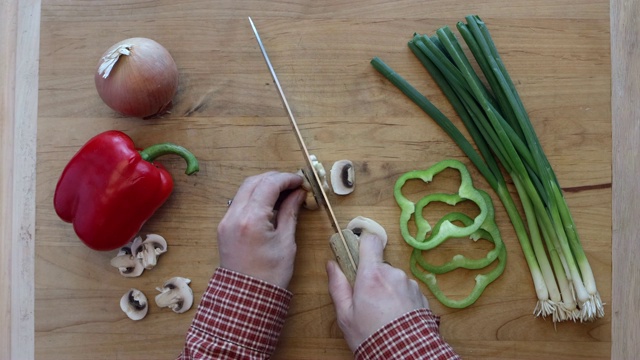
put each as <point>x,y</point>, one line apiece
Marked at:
<point>339,289</point>
<point>371,249</point>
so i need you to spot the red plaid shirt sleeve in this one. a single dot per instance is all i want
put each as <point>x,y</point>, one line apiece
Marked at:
<point>239,317</point>
<point>414,335</point>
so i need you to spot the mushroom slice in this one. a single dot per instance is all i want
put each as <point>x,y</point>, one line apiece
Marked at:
<point>361,224</point>
<point>126,263</point>
<point>148,250</point>
<point>175,294</point>
<point>343,177</point>
<point>134,304</point>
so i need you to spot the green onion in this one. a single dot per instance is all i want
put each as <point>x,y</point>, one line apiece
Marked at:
<point>499,125</point>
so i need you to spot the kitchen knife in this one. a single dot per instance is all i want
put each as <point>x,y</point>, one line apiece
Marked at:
<point>343,243</point>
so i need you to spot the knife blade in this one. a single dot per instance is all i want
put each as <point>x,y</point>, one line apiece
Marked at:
<point>344,237</point>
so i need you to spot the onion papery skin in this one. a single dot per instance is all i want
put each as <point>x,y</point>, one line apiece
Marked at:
<point>141,84</point>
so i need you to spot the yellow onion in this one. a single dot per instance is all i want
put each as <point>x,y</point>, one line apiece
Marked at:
<point>137,77</point>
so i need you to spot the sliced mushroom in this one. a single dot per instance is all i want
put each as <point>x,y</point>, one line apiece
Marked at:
<point>343,177</point>
<point>126,263</point>
<point>149,249</point>
<point>134,304</point>
<point>175,294</point>
<point>361,224</point>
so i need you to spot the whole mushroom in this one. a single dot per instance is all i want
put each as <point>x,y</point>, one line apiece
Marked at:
<point>361,224</point>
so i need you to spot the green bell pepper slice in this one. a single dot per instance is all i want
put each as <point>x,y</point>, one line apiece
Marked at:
<point>461,261</point>
<point>447,229</point>
<point>483,226</point>
<point>482,280</point>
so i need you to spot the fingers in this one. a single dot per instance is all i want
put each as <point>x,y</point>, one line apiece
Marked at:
<point>287,215</point>
<point>270,185</point>
<point>264,189</point>
<point>339,289</point>
<point>371,249</point>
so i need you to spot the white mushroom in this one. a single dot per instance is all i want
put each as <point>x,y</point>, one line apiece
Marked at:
<point>148,250</point>
<point>175,294</point>
<point>126,263</point>
<point>310,202</point>
<point>134,304</point>
<point>343,177</point>
<point>322,173</point>
<point>361,224</point>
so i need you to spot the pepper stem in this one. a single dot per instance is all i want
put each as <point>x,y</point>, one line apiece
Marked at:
<point>152,152</point>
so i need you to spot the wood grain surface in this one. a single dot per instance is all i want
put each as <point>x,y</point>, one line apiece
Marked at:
<point>228,113</point>
<point>625,57</point>
<point>19,41</point>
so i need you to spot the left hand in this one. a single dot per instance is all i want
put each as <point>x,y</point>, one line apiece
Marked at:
<point>254,238</point>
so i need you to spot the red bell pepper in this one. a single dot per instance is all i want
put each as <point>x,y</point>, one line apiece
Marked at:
<point>109,189</point>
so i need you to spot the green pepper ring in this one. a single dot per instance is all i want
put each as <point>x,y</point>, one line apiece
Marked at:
<point>447,229</point>
<point>460,261</point>
<point>482,280</point>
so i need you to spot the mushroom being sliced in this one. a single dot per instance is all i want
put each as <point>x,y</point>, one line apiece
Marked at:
<point>127,264</point>
<point>175,294</point>
<point>343,177</point>
<point>322,173</point>
<point>361,225</point>
<point>149,249</point>
<point>134,304</point>
<point>310,202</point>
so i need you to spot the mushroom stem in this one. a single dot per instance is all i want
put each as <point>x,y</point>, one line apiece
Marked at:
<point>124,261</point>
<point>148,255</point>
<point>167,298</point>
<point>175,294</point>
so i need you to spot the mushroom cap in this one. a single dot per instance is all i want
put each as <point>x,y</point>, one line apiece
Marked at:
<point>134,304</point>
<point>343,177</point>
<point>175,294</point>
<point>361,224</point>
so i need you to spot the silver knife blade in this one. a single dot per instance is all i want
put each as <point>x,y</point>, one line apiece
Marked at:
<point>316,182</point>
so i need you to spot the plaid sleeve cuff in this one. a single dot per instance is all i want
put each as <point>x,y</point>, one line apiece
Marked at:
<point>242,311</point>
<point>415,335</point>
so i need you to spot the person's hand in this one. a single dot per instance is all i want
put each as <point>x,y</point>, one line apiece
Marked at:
<point>255,238</point>
<point>381,293</point>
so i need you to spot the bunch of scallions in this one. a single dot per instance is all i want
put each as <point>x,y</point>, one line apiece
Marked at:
<point>496,119</point>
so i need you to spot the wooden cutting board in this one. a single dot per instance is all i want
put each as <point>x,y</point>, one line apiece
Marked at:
<point>228,113</point>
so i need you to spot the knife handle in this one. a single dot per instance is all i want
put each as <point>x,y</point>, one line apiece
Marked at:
<point>342,257</point>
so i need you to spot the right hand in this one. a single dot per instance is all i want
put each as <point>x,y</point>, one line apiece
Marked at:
<point>381,293</point>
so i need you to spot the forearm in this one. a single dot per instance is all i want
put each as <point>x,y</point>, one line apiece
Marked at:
<point>239,317</point>
<point>414,335</point>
